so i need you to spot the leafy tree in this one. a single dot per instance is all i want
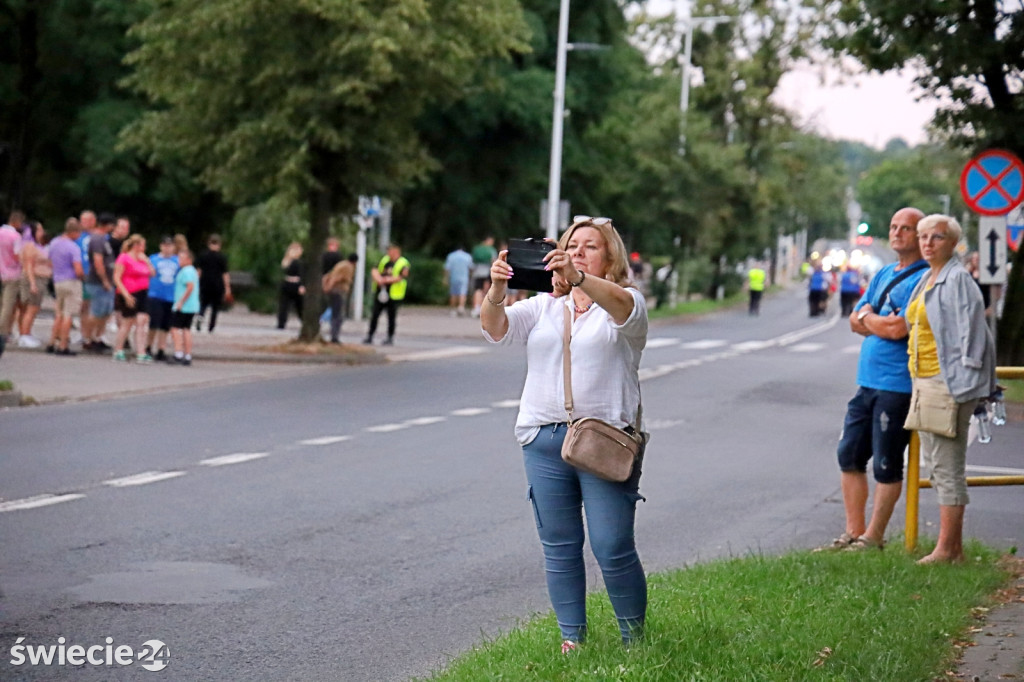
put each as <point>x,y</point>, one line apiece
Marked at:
<point>739,144</point>
<point>493,147</point>
<point>972,56</point>
<point>59,67</point>
<point>918,179</point>
<point>316,100</point>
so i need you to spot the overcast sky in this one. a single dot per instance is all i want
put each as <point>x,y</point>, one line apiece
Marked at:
<point>869,108</point>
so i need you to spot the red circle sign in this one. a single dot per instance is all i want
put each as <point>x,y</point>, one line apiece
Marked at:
<point>992,183</point>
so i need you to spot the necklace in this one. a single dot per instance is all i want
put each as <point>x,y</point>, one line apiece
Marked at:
<point>579,310</point>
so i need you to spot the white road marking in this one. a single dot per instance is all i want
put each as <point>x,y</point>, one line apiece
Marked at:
<point>506,403</point>
<point>37,501</point>
<point>387,428</point>
<point>852,350</point>
<point>806,347</point>
<point>470,411</point>
<point>325,440</point>
<point>236,458</point>
<point>424,421</point>
<point>437,354</point>
<point>704,344</point>
<point>655,424</point>
<point>143,478</point>
<point>661,343</point>
<point>801,334</point>
<point>747,346</point>
<point>995,470</point>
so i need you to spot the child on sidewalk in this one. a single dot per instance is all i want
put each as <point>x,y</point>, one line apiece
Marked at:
<point>186,305</point>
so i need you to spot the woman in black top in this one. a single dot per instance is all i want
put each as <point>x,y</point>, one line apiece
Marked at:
<point>292,290</point>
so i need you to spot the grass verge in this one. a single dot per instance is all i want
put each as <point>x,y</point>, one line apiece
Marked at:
<point>1014,392</point>
<point>697,307</point>
<point>802,616</point>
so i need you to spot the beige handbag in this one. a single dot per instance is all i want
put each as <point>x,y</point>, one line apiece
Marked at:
<point>932,407</point>
<point>594,445</point>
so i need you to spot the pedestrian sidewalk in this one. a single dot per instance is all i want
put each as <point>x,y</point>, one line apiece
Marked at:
<point>244,346</point>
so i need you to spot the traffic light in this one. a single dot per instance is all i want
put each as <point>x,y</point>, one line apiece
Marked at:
<point>863,228</point>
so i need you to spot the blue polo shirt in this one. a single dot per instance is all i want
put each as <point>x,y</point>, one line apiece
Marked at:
<point>883,362</point>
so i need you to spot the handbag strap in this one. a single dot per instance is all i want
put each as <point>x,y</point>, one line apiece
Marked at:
<point>567,372</point>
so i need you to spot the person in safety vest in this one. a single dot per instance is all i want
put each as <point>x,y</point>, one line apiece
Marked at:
<point>755,283</point>
<point>391,277</point>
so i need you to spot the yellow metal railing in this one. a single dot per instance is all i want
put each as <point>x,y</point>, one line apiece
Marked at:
<point>915,482</point>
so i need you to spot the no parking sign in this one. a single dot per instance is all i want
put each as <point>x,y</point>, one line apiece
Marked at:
<point>992,183</point>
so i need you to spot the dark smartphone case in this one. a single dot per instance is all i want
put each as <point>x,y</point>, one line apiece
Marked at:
<point>524,255</point>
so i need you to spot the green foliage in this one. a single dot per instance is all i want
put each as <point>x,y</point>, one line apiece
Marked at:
<point>313,100</point>
<point>975,66</point>
<point>802,616</point>
<point>306,114</point>
<point>258,236</point>
<point>918,178</point>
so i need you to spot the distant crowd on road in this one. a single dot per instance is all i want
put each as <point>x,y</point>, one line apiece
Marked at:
<point>98,271</point>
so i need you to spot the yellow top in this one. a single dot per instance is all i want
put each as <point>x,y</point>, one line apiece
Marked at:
<point>925,361</point>
<point>757,277</point>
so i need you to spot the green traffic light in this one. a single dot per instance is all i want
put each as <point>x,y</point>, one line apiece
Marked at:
<point>863,228</point>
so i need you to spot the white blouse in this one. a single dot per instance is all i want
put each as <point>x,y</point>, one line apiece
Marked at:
<point>605,362</point>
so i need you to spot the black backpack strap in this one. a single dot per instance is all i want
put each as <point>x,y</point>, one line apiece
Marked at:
<point>916,267</point>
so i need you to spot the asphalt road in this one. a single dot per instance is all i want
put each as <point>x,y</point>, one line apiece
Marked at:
<point>369,523</point>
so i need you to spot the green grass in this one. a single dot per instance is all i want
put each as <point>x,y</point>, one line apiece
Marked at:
<point>802,616</point>
<point>1014,392</point>
<point>697,307</point>
<point>6,385</point>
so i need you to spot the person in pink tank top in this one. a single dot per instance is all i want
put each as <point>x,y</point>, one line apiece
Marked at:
<point>132,271</point>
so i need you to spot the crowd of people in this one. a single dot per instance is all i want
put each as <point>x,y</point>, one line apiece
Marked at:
<point>96,270</point>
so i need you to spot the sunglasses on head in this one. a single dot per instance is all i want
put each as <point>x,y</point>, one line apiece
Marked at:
<point>591,220</point>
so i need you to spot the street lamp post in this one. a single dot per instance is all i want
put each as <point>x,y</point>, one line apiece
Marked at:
<point>558,118</point>
<point>557,122</point>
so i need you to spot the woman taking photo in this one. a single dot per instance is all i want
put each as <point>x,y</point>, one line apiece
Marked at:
<point>950,347</point>
<point>609,332</point>
<point>132,272</point>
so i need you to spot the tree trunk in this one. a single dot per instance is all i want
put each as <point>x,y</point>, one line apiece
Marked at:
<point>1010,329</point>
<point>319,229</point>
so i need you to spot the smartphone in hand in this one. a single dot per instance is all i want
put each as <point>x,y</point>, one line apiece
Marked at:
<point>525,256</point>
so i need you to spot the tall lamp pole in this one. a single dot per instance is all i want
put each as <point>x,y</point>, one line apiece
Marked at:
<point>557,122</point>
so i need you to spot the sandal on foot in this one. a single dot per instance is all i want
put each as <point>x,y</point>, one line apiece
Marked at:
<point>864,542</point>
<point>569,646</point>
<point>841,542</point>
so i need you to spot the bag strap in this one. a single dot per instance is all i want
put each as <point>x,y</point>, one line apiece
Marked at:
<point>567,361</point>
<point>567,373</point>
<point>902,275</point>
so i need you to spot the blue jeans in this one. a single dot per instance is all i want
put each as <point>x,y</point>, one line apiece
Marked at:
<point>560,494</point>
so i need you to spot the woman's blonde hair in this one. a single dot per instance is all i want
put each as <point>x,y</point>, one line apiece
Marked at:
<point>129,243</point>
<point>615,250</point>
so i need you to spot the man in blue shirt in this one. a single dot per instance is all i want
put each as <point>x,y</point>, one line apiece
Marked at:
<point>161,297</point>
<point>874,418</point>
<point>457,267</point>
